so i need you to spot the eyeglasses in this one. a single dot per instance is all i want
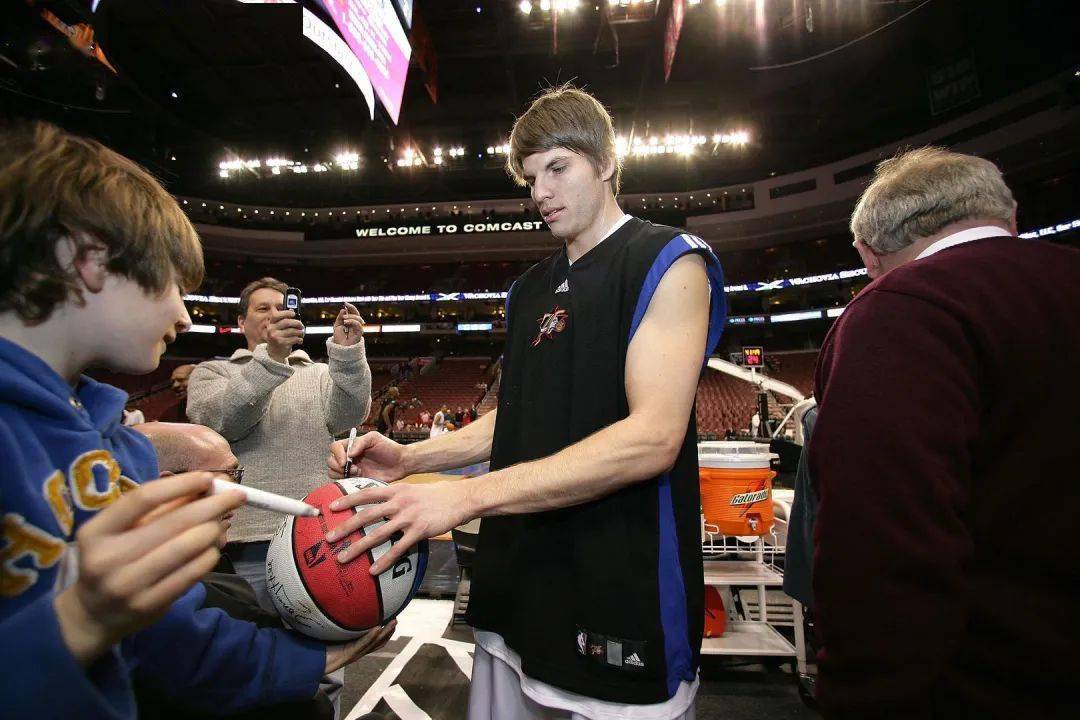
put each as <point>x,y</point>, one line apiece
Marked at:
<point>235,474</point>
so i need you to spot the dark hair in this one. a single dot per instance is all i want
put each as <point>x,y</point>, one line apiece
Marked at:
<point>265,282</point>
<point>56,185</point>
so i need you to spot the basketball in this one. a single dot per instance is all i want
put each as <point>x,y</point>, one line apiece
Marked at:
<point>324,599</point>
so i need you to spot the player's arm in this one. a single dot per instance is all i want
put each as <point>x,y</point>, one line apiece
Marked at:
<point>377,456</point>
<point>662,368</point>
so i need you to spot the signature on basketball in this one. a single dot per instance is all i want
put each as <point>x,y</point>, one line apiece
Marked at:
<point>300,613</point>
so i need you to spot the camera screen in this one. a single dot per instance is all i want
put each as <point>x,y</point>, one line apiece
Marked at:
<point>291,302</point>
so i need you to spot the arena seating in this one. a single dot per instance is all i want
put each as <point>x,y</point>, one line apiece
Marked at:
<point>725,402</point>
<point>794,368</point>
<point>452,382</point>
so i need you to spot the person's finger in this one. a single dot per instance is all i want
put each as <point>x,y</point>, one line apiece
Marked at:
<point>367,496</point>
<point>166,508</point>
<point>364,443</point>
<point>359,521</point>
<point>401,547</point>
<point>133,505</point>
<point>353,323</point>
<point>340,316</point>
<point>337,450</point>
<point>377,637</point>
<point>335,461</point>
<point>176,583</point>
<point>353,311</point>
<point>375,538</point>
<point>163,509</point>
<point>366,542</point>
<point>355,522</point>
<point>199,511</point>
<point>370,642</point>
<point>158,561</point>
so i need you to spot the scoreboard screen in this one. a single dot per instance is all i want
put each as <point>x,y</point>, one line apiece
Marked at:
<point>753,357</point>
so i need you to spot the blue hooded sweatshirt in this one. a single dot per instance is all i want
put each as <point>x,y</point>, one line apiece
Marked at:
<point>65,456</point>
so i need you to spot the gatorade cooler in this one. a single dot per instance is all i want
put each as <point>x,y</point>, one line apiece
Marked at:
<point>736,487</point>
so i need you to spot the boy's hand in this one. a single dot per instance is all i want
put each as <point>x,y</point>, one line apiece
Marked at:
<point>284,332</point>
<point>338,656</point>
<point>135,560</point>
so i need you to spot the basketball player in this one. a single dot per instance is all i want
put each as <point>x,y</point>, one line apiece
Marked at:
<point>587,589</point>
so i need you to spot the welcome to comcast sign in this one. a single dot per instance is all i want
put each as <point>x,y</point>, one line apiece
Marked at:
<point>451,229</point>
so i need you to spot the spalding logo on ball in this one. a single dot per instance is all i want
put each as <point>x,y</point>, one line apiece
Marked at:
<point>320,597</point>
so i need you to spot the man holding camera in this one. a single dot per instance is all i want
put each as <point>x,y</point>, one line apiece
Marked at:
<point>279,410</point>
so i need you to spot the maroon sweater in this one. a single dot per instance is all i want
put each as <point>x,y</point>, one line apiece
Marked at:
<point>946,456</point>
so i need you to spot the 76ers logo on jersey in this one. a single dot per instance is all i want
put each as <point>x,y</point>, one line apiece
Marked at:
<point>551,323</point>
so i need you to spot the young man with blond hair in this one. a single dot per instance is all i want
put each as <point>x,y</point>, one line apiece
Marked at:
<point>939,435</point>
<point>587,587</point>
<point>94,259</point>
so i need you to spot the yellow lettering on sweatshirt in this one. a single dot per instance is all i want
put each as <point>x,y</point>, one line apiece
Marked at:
<point>21,539</point>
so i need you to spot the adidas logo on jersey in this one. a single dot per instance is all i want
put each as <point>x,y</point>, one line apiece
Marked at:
<point>634,660</point>
<point>564,287</point>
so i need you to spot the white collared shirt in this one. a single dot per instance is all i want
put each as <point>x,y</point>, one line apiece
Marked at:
<point>964,236</point>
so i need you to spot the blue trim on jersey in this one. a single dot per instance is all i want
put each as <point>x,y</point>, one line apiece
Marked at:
<point>678,653</point>
<point>506,305</point>
<point>677,247</point>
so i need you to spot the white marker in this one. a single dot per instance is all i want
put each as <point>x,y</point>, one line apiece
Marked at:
<point>266,500</point>
<point>348,449</point>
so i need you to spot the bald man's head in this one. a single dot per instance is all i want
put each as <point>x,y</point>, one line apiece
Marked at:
<point>185,447</point>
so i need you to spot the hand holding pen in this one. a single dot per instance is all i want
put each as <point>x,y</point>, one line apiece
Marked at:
<point>348,450</point>
<point>348,326</point>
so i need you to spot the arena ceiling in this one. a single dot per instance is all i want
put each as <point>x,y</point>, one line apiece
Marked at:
<point>811,81</point>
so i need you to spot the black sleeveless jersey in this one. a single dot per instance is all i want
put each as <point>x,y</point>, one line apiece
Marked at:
<point>604,599</point>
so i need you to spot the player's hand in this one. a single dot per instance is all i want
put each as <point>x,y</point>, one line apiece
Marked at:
<point>373,456</point>
<point>338,656</point>
<point>282,334</point>
<point>416,511</point>
<point>348,326</point>
<point>139,555</point>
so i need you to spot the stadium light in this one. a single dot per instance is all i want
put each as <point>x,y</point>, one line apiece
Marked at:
<point>347,160</point>
<point>525,6</point>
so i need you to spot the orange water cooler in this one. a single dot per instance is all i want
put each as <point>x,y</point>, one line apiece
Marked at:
<point>736,487</point>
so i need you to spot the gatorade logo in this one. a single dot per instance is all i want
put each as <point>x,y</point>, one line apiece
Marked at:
<point>750,498</point>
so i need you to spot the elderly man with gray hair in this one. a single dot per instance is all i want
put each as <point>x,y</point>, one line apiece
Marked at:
<point>939,436</point>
